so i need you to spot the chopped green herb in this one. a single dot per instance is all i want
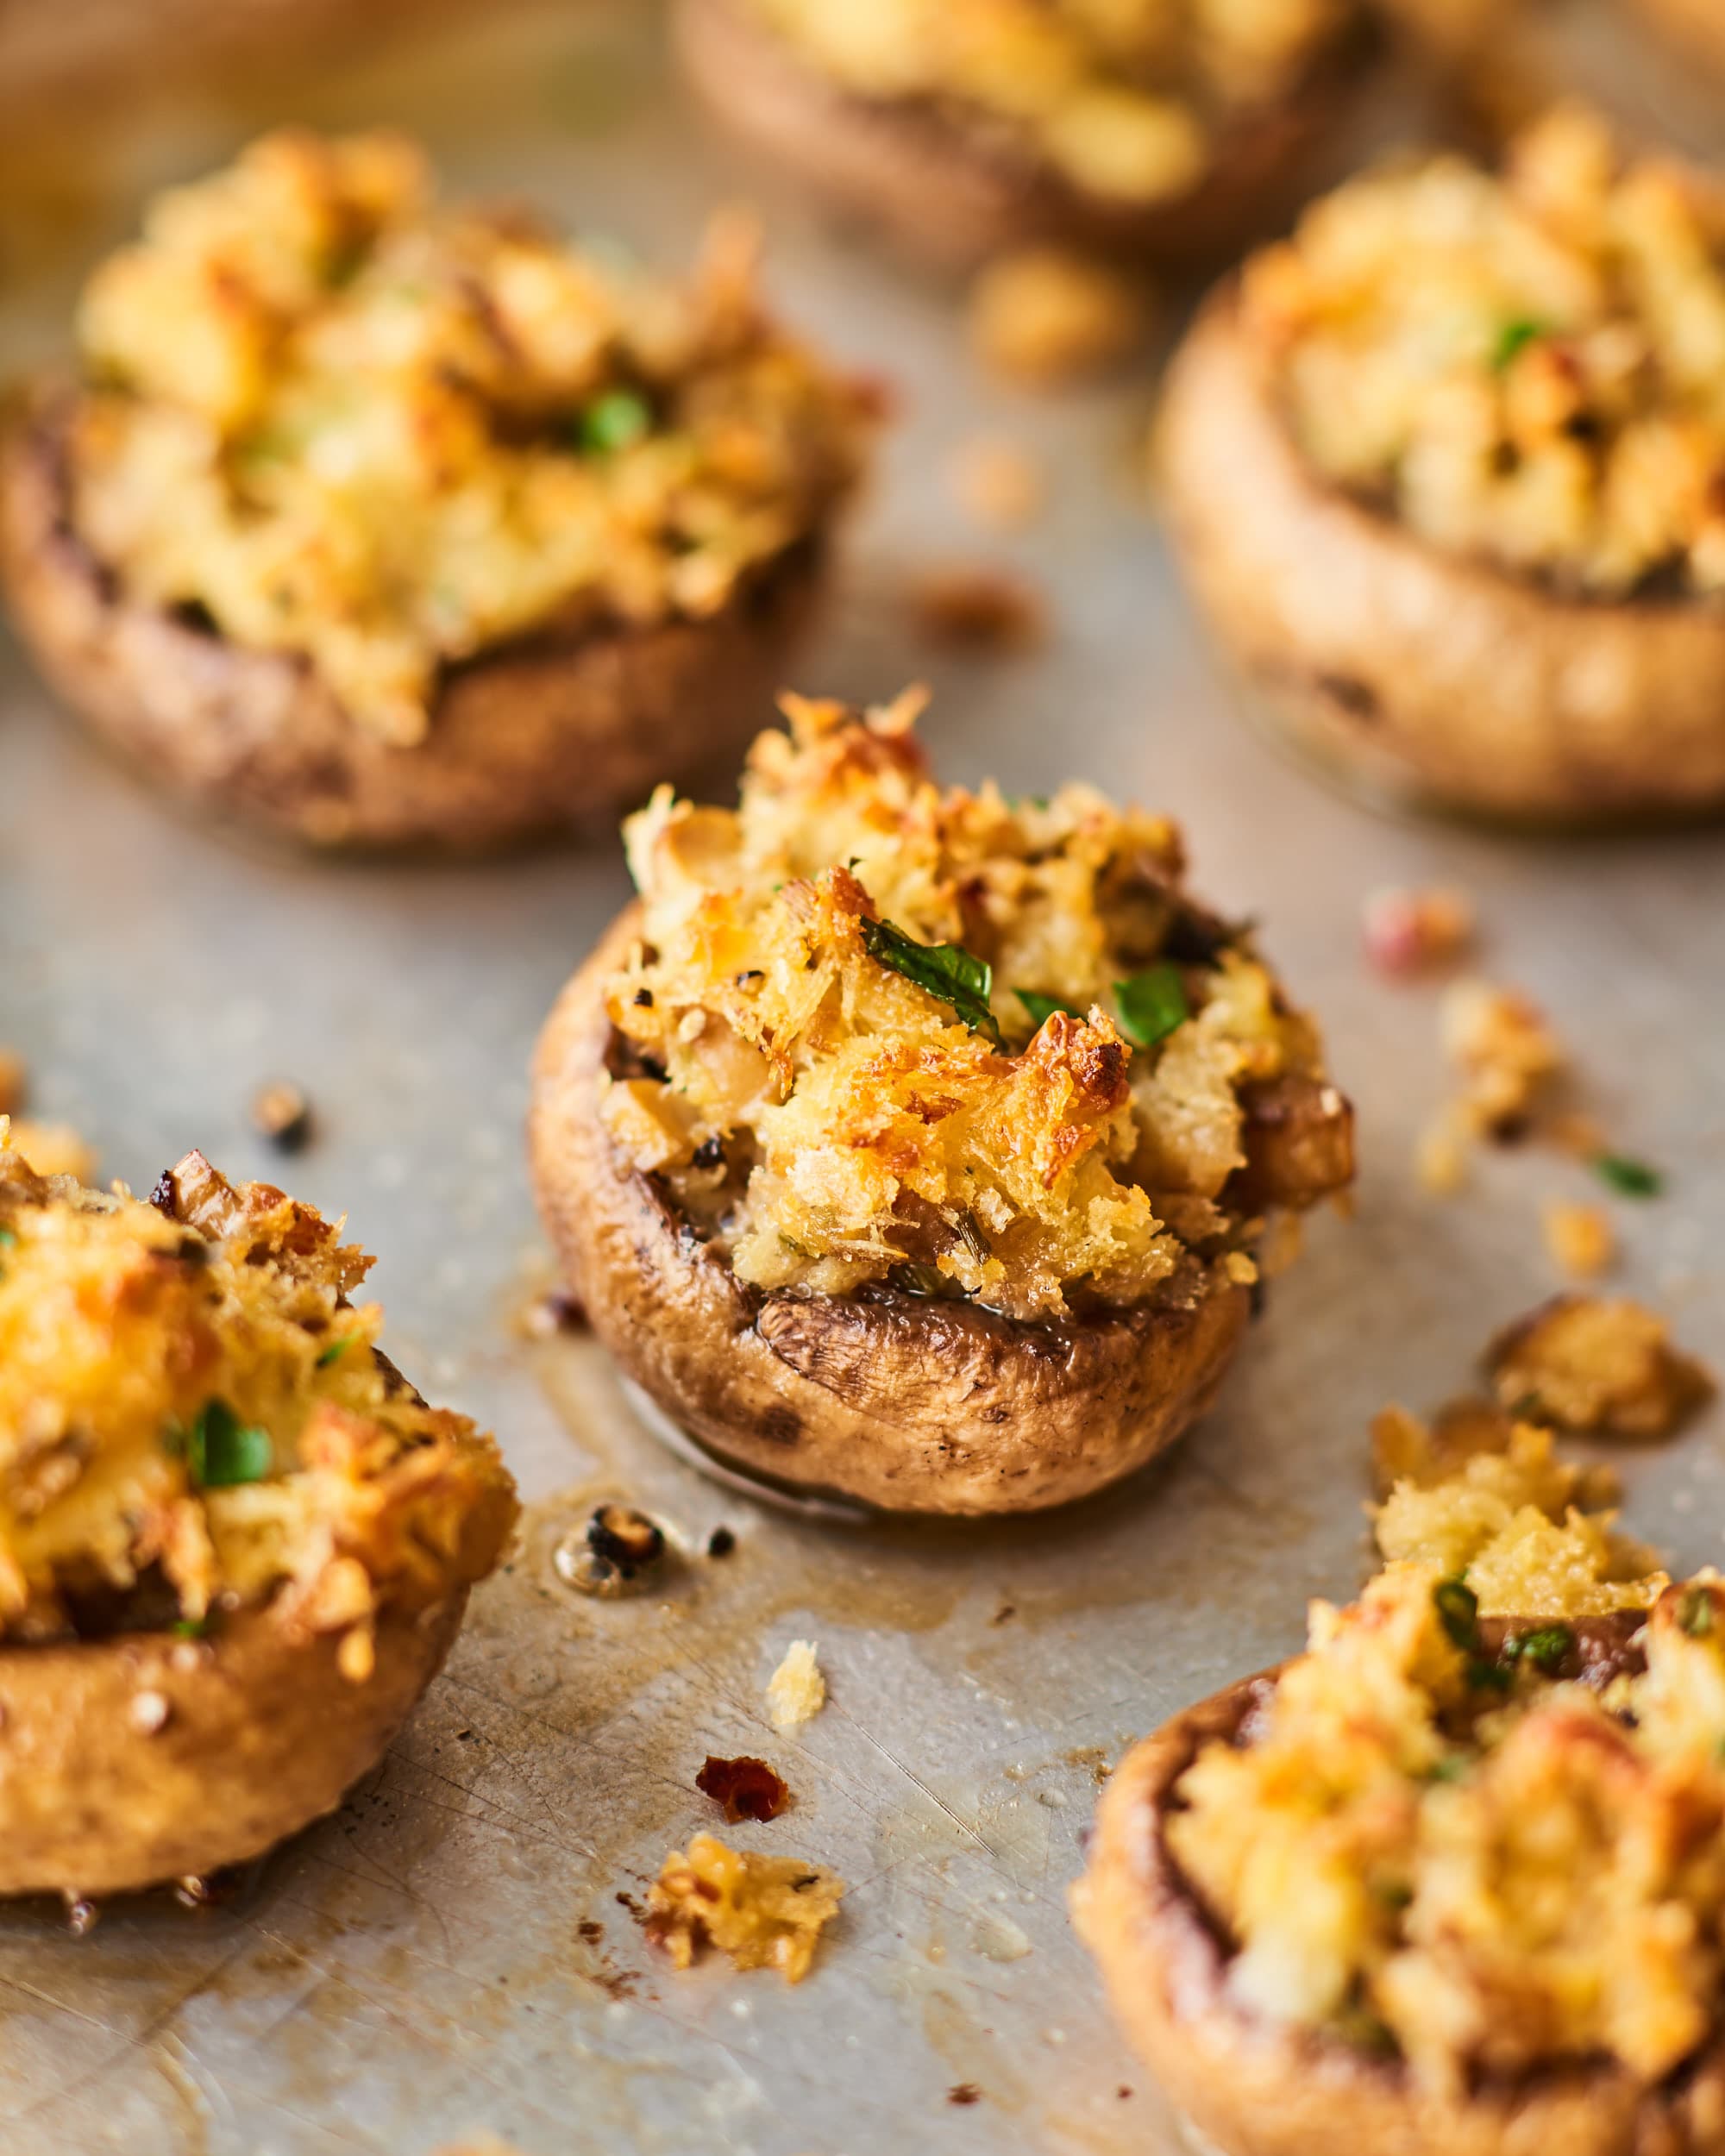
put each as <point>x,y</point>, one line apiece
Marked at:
<point>1458,1608</point>
<point>1453,1767</point>
<point>190,1627</point>
<point>1151,1004</point>
<point>222,1451</point>
<point>1515,336</point>
<point>1695,1613</point>
<point>945,970</point>
<point>1042,1008</point>
<point>8,1238</point>
<point>335,1352</point>
<point>615,421</point>
<point>1489,1676</point>
<point>1631,1178</point>
<point>1547,1648</point>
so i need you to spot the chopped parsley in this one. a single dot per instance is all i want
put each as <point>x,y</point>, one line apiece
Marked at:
<point>1629,1178</point>
<point>945,970</point>
<point>8,1238</point>
<point>1042,1008</point>
<point>617,420</point>
<point>1152,1004</point>
<point>1514,337</point>
<point>1547,1648</point>
<point>335,1352</point>
<point>1458,1608</point>
<point>190,1627</point>
<point>222,1451</point>
<point>1695,1613</point>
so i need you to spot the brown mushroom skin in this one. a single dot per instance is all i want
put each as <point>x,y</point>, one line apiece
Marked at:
<point>1258,2090</point>
<point>946,197</point>
<point>552,734</point>
<point>904,1402</point>
<point>261,1735</point>
<point>1485,691</point>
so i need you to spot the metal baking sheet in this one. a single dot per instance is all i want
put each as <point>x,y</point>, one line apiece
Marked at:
<point>452,1954</point>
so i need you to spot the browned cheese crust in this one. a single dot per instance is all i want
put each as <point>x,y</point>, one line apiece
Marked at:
<point>1489,691</point>
<point>901,1401</point>
<point>946,197</point>
<point>1258,2090</point>
<point>262,1734</point>
<point>531,740</point>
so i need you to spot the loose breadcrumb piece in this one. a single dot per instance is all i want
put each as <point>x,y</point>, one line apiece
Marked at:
<point>1409,932</point>
<point>1581,1239</point>
<point>1507,1056</point>
<point>15,1080</point>
<point>1043,316</point>
<point>979,608</point>
<point>995,483</point>
<point>764,1912</point>
<point>1607,1368</point>
<point>796,1691</point>
<point>52,1148</point>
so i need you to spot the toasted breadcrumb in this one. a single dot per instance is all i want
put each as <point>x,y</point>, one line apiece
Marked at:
<point>1411,932</point>
<point>995,483</point>
<point>1043,316</point>
<point>15,1080</point>
<point>1604,1368</point>
<point>1506,1054</point>
<point>52,1148</point>
<point>764,1912</point>
<point>977,607</point>
<point>1581,1239</point>
<point>796,1691</point>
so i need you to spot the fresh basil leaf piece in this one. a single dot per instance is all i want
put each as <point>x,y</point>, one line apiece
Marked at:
<point>1152,1004</point>
<point>945,970</point>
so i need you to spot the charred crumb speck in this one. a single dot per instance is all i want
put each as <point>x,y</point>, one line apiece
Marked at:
<point>710,1153</point>
<point>720,1543</point>
<point>964,2092</point>
<point>627,1537</point>
<point>281,1114</point>
<point>747,1787</point>
<point>643,998</point>
<point>550,1314</point>
<point>1005,1614</point>
<point>591,1929</point>
<point>165,1197</point>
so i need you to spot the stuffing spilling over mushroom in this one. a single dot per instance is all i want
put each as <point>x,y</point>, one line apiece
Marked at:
<point>1480,1849</point>
<point>194,1420</point>
<point>764,1912</point>
<point>1529,367</point>
<point>337,422</point>
<point>1603,1367</point>
<point>1124,101</point>
<point>878,1031</point>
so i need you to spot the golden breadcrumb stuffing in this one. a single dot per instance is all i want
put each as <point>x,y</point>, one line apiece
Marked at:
<point>1122,99</point>
<point>1486,1500</point>
<point>874,1030</point>
<point>1581,1239</point>
<point>1607,1367</point>
<point>1528,367</point>
<point>193,1420</point>
<point>1440,1839</point>
<point>15,1080</point>
<point>347,425</point>
<point>796,1691</point>
<point>764,1912</point>
<point>1043,316</point>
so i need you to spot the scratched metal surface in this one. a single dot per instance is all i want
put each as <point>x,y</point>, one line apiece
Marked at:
<point>449,1955</point>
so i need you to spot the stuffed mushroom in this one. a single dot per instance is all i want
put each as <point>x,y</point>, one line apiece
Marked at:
<point>381,523</point>
<point>1447,1883</point>
<point>961,127</point>
<point>912,1143</point>
<point>1444,469</point>
<point>236,1544</point>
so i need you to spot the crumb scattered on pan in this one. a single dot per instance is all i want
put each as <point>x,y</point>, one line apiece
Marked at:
<point>547,1315</point>
<point>964,2092</point>
<point>796,1691</point>
<point>1580,1239</point>
<point>1044,316</point>
<point>612,1554</point>
<point>978,608</point>
<point>1629,1177</point>
<point>1408,933</point>
<point>15,1080</point>
<point>720,1543</point>
<point>764,1912</point>
<point>1605,1368</point>
<point>996,483</point>
<point>746,1788</point>
<point>282,1114</point>
<point>52,1148</point>
<point>1505,1053</point>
